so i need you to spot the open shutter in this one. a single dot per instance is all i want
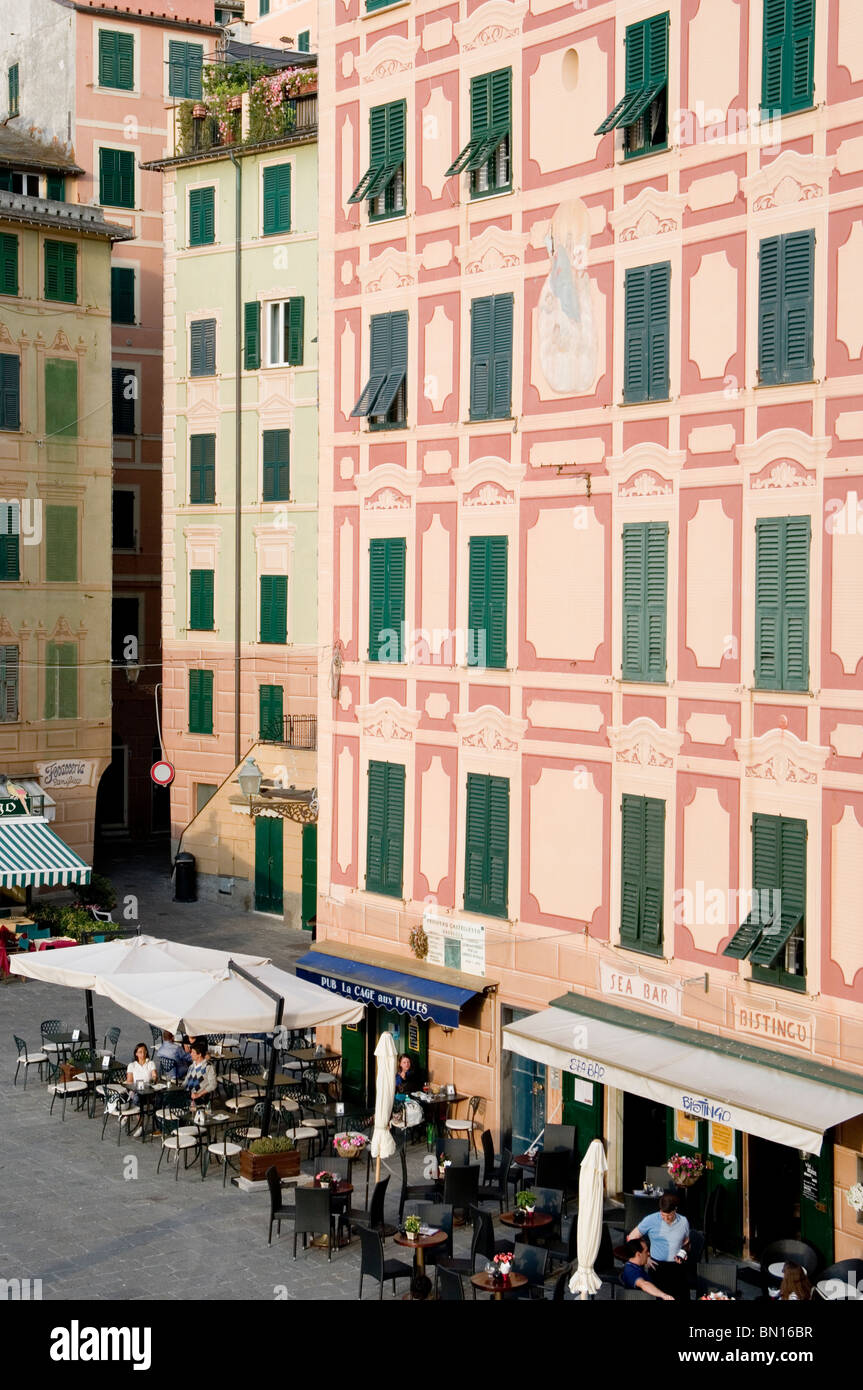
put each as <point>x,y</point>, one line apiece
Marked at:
<point>481,349</point>
<point>766,875</point>
<point>634,635</point>
<point>394,832</point>
<point>61,545</point>
<point>497,880</point>
<point>655,591</point>
<point>790,838</point>
<point>476,840</point>
<point>635,334</point>
<point>397,359</point>
<point>796,330</point>
<point>370,181</point>
<point>380,337</point>
<point>769,310</point>
<point>632,868</point>
<point>8,263</point>
<point>800,55</point>
<point>296,319</point>
<point>501,385</point>
<point>795,606</point>
<point>10,391</point>
<point>659,331</point>
<point>375,826</point>
<point>768,602</point>
<point>8,683</point>
<point>654,873</point>
<point>252,336</point>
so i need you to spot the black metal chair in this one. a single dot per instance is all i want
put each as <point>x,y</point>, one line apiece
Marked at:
<point>49,1028</point>
<point>448,1285</point>
<point>458,1150</point>
<point>565,1248</point>
<point>498,1191</point>
<point>424,1191</point>
<point>439,1217</point>
<point>279,1212</point>
<point>552,1170</point>
<point>156,1035</point>
<point>787,1252</point>
<point>605,1264</point>
<point>75,1089</point>
<point>622,1295</point>
<point>373,1217</point>
<point>713,1274</point>
<point>549,1201</point>
<point>490,1160</point>
<point>461,1187</point>
<point>314,1215</point>
<point>178,1136</point>
<point>110,1040</point>
<point>26,1059</point>
<point>373,1264</point>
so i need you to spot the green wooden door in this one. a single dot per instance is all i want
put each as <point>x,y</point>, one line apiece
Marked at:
<point>410,1035</point>
<point>816,1200</point>
<point>723,1195</point>
<point>310,875</point>
<point>586,1115</point>
<point>354,1061</point>
<point>692,1199</point>
<point>268,864</point>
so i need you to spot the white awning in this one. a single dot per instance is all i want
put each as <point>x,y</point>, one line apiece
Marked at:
<point>751,1096</point>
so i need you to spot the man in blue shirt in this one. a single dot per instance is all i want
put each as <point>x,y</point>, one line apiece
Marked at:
<point>634,1272</point>
<point>668,1233</point>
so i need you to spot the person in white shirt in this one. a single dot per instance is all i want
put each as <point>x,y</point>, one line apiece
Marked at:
<point>143,1068</point>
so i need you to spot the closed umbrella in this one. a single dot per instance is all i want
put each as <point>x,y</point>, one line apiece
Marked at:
<point>591,1197</point>
<point>383,1143</point>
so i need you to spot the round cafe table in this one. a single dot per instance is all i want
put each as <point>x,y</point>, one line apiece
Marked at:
<point>486,1284</point>
<point>337,1189</point>
<point>537,1221</point>
<point>419,1245</point>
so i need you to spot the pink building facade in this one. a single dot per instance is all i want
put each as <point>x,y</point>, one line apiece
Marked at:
<point>645,493</point>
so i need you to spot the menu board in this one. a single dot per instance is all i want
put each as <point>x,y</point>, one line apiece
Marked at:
<point>685,1128</point>
<point>810,1180</point>
<point>720,1140</point>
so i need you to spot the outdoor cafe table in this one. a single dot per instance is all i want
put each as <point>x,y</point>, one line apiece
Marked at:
<point>337,1189</point>
<point>497,1288</point>
<point>65,1042</point>
<point>437,1107</point>
<point>419,1244</point>
<point>537,1221</point>
<point>308,1056</point>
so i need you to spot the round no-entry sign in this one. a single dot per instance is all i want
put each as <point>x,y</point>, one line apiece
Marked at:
<point>162,773</point>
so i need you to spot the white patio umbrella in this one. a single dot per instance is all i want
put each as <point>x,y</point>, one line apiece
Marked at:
<point>383,1144</point>
<point>591,1195</point>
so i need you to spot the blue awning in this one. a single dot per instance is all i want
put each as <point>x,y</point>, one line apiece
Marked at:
<point>388,989</point>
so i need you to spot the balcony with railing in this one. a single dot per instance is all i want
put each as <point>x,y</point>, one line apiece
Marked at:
<point>292,731</point>
<point>239,107</point>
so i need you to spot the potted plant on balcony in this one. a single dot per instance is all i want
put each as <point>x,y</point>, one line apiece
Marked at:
<point>279,1153</point>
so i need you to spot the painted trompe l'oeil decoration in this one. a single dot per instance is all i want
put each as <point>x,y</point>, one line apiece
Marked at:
<point>566,330</point>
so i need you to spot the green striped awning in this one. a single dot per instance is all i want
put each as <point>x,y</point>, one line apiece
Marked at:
<point>31,855</point>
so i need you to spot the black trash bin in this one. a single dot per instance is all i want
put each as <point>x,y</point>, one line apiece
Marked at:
<point>185,879</point>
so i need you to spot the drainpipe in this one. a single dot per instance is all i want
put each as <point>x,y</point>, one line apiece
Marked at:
<point>238,432</point>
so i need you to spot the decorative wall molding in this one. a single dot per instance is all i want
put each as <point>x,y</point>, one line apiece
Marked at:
<point>779,756</point>
<point>489,729</point>
<point>491,23</point>
<point>386,58</point>
<point>792,178</point>
<point>646,484</point>
<point>493,249</point>
<point>785,473</point>
<point>643,743</point>
<point>388,720</point>
<point>488,482</point>
<point>780,446</point>
<point>651,213</point>
<point>660,465</point>
<point>389,487</point>
<point>391,270</point>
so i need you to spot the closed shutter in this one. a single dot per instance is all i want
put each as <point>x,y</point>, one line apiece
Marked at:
<point>10,541</point>
<point>274,608</point>
<point>635,334</point>
<point>271,707</point>
<point>200,702</point>
<point>773,42</point>
<point>501,384</point>
<point>396,133</point>
<point>769,310</point>
<point>655,587</point>
<point>498,846</point>
<point>782,603</point>
<point>645,587</point>
<point>8,683</point>
<point>296,318</point>
<point>61,680</point>
<point>61,271</point>
<point>476,841</point>
<point>201,596</point>
<point>116,178</point>
<point>377,595</point>
<point>801,55</point>
<point>277,463</point>
<point>202,216</point>
<point>659,330</point>
<point>185,69</point>
<point>252,336</point>
<point>122,295</point>
<point>55,188</point>
<point>654,873</point>
<point>636,56</point>
<point>202,468</point>
<point>632,868</point>
<point>10,391</point>
<point>386,599</point>
<point>395,830</point>
<point>385,831</point>
<point>795,614</point>
<point>116,60</point>
<point>202,347</point>
<point>798,278</point>
<point>487,845</point>
<point>8,263</point>
<point>487,601</point>
<point>277,199</point>
<point>634,646</point>
<point>376,826</point>
<point>14,90</point>
<point>123,394</point>
<point>61,545</point>
<point>481,353</point>
<point>61,398</point>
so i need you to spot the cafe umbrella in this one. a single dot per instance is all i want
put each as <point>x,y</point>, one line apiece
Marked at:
<point>591,1192</point>
<point>383,1144</point>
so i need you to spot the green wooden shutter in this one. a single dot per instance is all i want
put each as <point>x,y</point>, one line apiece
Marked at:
<point>61,271</point>
<point>635,334</point>
<point>795,606</point>
<point>10,391</point>
<point>116,60</point>
<point>498,846</point>
<point>781,843</point>
<point>634,635</point>
<point>274,608</point>
<point>296,319</point>
<point>480,104</point>
<point>632,868</point>
<point>61,398</point>
<point>55,188</point>
<point>659,330</point>
<point>9,666</point>
<point>252,336</point>
<point>123,400</point>
<point>202,216</point>
<point>487,601</point>
<point>116,178</point>
<point>202,468</point>
<point>61,545</point>
<point>782,603</point>
<point>657,49</point>
<point>377,595</point>
<point>10,541</point>
<point>277,465</point>
<point>773,42</point>
<point>500,99</point>
<point>304,41</point>
<point>271,712</point>
<point>768,602</point>
<point>8,263</point>
<point>481,352</point>
<point>385,841</point>
<point>501,382</point>
<point>61,680</point>
<point>376,826</point>
<point>202,347</point>
<point>769,310</point>
<point>387,599</point>
<point>395,609</point>
<point>277,199</point>
<point>14,90</point>
<point>654,873</point>
<point>185,68</point>
<point>799,85</point>
<point>797,323</point>
<point>201,597</point>
<point>655,594</point>
<point>378,136</point>
<point>122,295</point>
<point>476,841</point>
<point>200,702</point>
<point>396,137</point>
<point>636,55</point>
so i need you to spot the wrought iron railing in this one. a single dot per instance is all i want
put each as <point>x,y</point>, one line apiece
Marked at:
<point>292,730</point>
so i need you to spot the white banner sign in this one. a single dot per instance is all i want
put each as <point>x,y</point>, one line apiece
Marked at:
<point>454,942</point>
<point>72,772</point>
<point>623,984</point>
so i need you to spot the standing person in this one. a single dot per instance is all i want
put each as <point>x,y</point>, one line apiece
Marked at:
<point>201,1077</point>
<point>795,1285</point>
<point>634,1272</point>
<point>668,1233</point>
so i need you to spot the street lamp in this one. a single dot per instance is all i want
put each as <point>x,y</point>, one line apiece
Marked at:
<point>250,778</point>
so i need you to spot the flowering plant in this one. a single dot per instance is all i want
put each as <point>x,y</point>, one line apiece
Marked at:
<point>269,114</point>
<point>419,943</point>
<point>855,1196</point>
<point>349,1143</point>
<point>325,1177</point>
<point>715,1296</point>
<point>685,1169</point>
<point>443,1161</point>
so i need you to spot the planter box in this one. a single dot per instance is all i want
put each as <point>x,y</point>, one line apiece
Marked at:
<point>254,1166</point>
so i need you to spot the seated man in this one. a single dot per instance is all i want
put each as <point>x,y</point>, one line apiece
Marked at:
<point>668,1233</point>
<point>173,1058</point>
<point>634,1272</point>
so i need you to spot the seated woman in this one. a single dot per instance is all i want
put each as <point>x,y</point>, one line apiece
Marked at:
<point>143,1068</point>
<point>796,1286</point>
<point>200,1079</point>
<point>407,1077</point>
